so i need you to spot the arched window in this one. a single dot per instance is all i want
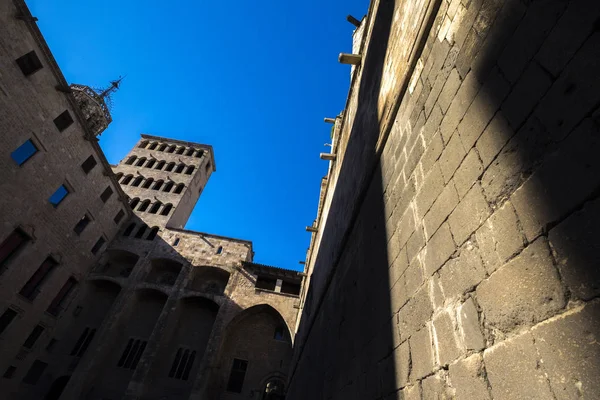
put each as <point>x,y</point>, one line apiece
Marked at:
<point>127,179</point>
<point>180,168</point>
<point>155,207</point>
<point>129,229</point>
<point>141,231</point>
<point>190,151</point>
<point>172,149</point>
<point>167,209</point>
<point>150,163</point>
<point>189,170</point>
<point>119,176</point>
<point>199,153</point>
<point>137,181</point>
<point>143,144</point>
<point>180,150</point>
<point>168,187</point>
<point>162,147</point>
<point>153,233</point>
<point>160,165</point>
<point>130,160</point>
<point>220,250</point>
<point>148,182</point>
<point>153,145</point>
<point>175,242</point>
<point>179,188</point>
<point>134,203</point>
<point>158,184</point>
<point>170,166</point>
<point>144,205</point>
<point>140,162</point>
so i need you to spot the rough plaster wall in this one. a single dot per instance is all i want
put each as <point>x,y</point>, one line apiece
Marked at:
<point>468,267</point>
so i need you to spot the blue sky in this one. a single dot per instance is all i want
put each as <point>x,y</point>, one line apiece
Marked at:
<point>253,79</point>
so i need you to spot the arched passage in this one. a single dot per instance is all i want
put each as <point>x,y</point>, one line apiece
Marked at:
<point>209,280</point>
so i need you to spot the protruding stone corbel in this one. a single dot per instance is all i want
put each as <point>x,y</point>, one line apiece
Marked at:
<point>353,21</point>
<point>329,120</point>
<point>311,229</point>
<point>327,156</point>
<point>352,59</point>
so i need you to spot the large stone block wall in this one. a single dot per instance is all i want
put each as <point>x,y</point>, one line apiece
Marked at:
<point>457,254</point>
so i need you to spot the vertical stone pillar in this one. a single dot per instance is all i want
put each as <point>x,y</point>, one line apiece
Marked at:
<point>278,285</point>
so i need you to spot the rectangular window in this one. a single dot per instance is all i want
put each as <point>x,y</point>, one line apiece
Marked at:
<point>10,372</point>
<point>119,216</point>
<point>83,342</point>
<point>290,287</point>
<point>265,283</point>
<point>98,245</point>
<point>29,63</point>
<point>33,336</point>
<point>35,372</point>
<point>106,194</point>
<point>11,245</point>
<point>57,304</point>
<point>32,287</point>
<point>6,318</point>
<point>59,195</point>
<point>182,364</point>
<point>237,375</point>
<point>83,222</point>
<point>132,353</point>
<point>24,152</point>
<point>63,121</point>
<point>88,164</point>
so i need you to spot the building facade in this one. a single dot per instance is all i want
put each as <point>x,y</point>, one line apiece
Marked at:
<point>103,292</point>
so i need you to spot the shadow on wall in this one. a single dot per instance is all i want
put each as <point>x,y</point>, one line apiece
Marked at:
<point>507,111</point>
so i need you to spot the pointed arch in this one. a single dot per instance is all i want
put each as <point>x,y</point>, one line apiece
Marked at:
<point>254,310</point>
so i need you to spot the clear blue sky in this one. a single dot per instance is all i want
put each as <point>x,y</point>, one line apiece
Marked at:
<point>254,79</point>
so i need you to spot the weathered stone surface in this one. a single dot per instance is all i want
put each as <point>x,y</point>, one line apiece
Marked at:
<point>421,354</point>
<point>449,90</point>
<point>432,153</point>
<point>467,377</point>
<point>462,100</point>
<point>513,370</point>
<point>468,172</point>
<point>402,364</point>
<point>462,273</point>
<point>431,189</point>
<point>569,352</point>
<point>412,392</point>
<point>438,250</point>
<point>535,291</point>
<point>415,313</point>
<point>494,137</point>
<point>446,338</point>
<point>451,157</point>
<point>435,387</point>
<point>440,210</point>
<point>470,213</point>
<point>468,322</point>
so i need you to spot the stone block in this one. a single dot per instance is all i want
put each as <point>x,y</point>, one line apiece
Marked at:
<point>467,173</point>
<point>468,52</point>
<point>460,103</point>
<point>398,294</point>
<point>435,288</point>
<point>467,377</point>
<point>413,157</point>
<point>412,392</point>
<point>421,350</point>
<point>470,213</point>
<point>449,90</point>
<point>402,362</point>
<point>441,208</point>
<point>569,350</point>
<point>493,138</point>
<point>435,387</point>
<point>513,370</point>
<point>577,251</point>
<point>451,157</point>
<point>565,179</point>
<point>415,243</point>
<point>431,189</point>
<point>416,313</point>
<point>432,153</point>
<point>462,25</point>
<point>413,276</point>
<point>468,322</point>
<point>535,291</point>
<point>482,109</point>
<point>446,338</point>
<point>432,124</point>
<point>526,94</point>
<point>438,250</point>
<point>462,273</point>
<point>500,237</point>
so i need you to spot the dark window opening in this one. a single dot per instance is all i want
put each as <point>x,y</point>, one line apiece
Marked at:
<point>153,233</point>
<point>155,207</point>
<point>171,149</point>
<point>63,121</point>
<point>129,229</point>
<point>10,372</point>
<point>29,63</point>
<point>220,250</point>
<point>134,203</point>
<point>88,164</point>
<point>148,182</point>
<point>180,168</point>
<point>144,205</point>
<point>137,181</point>
<point>170,167</point>
<point>199,153</point>
<point>162,147</point>
<point>126,180</point>
<point>176,242</point>
<point>182,364</point>
<point>31,288</point>
<point>83,342</point>
<point>11,246</point>
<point>158,185</point>
<point>132,354</point>
<point>265,283</point>
<point>153,146</point>
<point>141,231</point>
<point>179,188</point>
<point>6,318</point>
<point>83,222</point>
<point>190,152</point>
<point>143,144</point>
<point>58,196</point>
<point>290,287</point>
<point>56,306</point>
<point>35,372</point>
<point>24,152</point>
<point>160,165</point>
<point>106,194</point>
<point>140,162</point>
<point>119,216</point>
<point>166,210</point>
<point>130,160</point>
<point>98,245</point>
<point>180,150</point>
<point>118,176</point>
<point>237,375</point>
<point>150,163</point>
<point>168,187</point>
<point>33,336</point>
<point>190,170</point>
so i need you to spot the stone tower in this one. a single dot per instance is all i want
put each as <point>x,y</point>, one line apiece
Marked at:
<point>95,105</point>
<point>164,179</point>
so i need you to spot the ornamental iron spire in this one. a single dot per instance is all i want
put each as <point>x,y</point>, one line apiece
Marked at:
<point>96,104</point>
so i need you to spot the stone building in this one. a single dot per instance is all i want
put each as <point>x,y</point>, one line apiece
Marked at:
<point>455,250</point>
<point>103,293</point>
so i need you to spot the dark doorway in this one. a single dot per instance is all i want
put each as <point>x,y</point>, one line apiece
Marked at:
<point>274,390</point>
<point>57,388</point>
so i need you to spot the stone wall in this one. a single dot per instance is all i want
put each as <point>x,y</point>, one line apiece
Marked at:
<point>456,252</point>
